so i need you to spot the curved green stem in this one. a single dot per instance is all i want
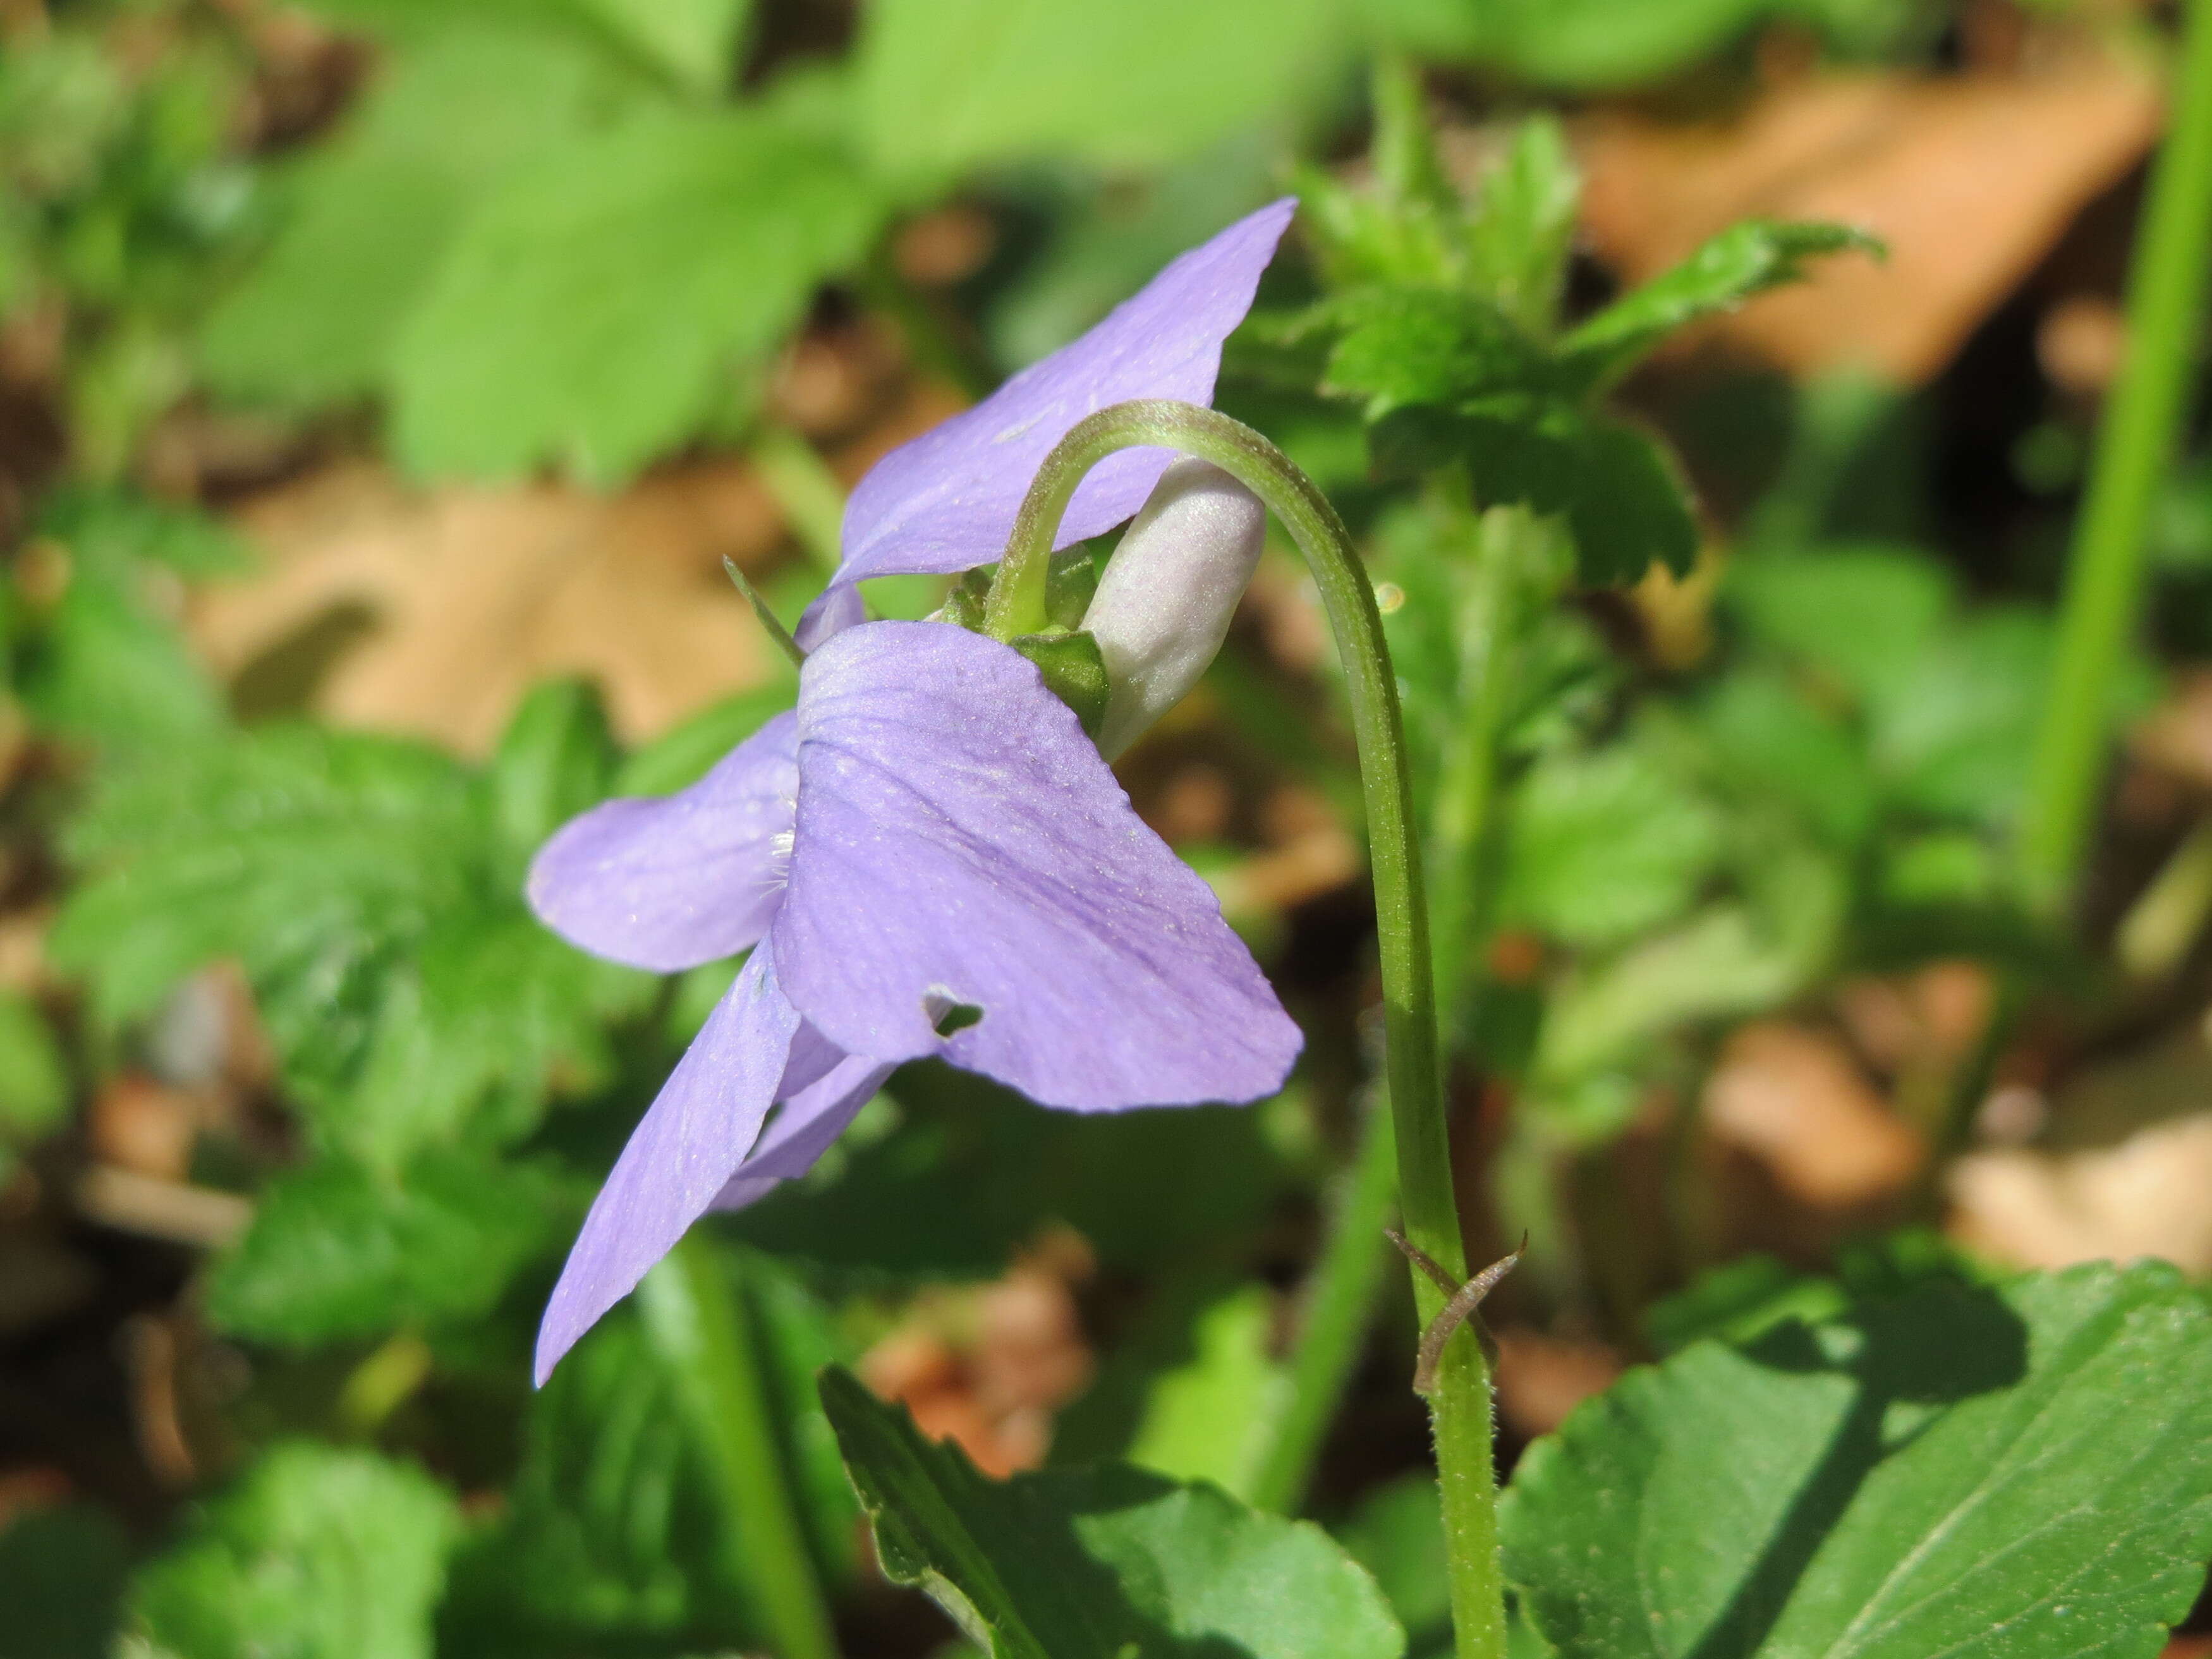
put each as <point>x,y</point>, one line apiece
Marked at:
<point>2104,584</point>
<point>1461,1407</point>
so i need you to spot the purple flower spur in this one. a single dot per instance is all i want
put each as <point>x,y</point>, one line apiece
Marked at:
<point>928,856</point>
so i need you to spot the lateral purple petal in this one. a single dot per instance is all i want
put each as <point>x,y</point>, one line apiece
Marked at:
<point>959,841</point>
<point>802,1130</point>
<point>683,1151</point>
<point>945,500</point>
<point>678,880</point>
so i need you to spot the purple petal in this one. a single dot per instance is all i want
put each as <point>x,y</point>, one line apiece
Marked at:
<point>802,1131</point>
<point>676,880</point>
<point>684,1150</point>
<point>945,500</point>
<point>960,841</point>
<point>834,610</point>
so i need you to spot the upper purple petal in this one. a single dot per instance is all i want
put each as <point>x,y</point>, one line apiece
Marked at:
<point>960,841</point>
<point>946,500</point>
<point>674,881</point>
<point>683,1153</point>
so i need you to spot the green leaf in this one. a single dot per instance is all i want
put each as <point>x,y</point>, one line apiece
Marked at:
<point>555,758</point>
<point>338,1251</point>
<point>1210,1417</point>
<point>1730,958</point>
<point>34,1081</point>
<point>318,1554</point>
<point>610,1528</point>
<point>1742,261</point>
<point>950,85</point>
<point>2024,1472</point>
<point>695,42</point>
<point>1098,1564</point>
<point>1619,490</point>
<point>460,106</point>
<point>1523,225</point>
<point>1865,614</point>
<point>62,1571</point>
<point>1397,347</point>
<point>362,885</point>
<point>590,311</point>
<point>1397,1534</point>
<point>1605,43</point>
<point>1773,743</point>
<point>1605,845</point>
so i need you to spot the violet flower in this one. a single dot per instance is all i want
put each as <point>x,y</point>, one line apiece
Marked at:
<point>928,856</point>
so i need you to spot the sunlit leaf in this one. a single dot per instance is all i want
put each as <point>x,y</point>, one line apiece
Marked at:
<point>1092,1566</point>
<point>2022,1472</point>
<point>592,310</point>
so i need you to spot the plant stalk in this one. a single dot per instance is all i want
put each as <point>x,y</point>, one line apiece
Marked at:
<point>1461,1407</point>
<point>1339,1300</point>
<point>700,1328</point>
<point>2166,293</point>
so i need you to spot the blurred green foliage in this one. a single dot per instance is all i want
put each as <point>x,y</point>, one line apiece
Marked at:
<point>487,240</point>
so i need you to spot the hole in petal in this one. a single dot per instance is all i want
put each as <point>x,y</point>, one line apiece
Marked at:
<point>947,1013</point>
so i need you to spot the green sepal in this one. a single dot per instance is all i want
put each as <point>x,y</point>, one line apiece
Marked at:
<point>1073,671</point>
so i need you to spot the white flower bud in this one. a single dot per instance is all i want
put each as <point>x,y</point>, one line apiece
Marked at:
<point>1163,604</point>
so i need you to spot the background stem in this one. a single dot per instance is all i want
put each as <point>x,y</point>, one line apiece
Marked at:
<point>699,1326</point>
<point>1338,1302</point>
<point>2103,587</point>
<point>1461,1407</point>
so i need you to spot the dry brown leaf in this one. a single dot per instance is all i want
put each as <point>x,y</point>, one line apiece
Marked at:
<point>987,1367</point>
<point>1970,179</point>
<point>139,1124</point>
<point>2145,1197</point>
<point>1792,1097</point>
<point>1541,1378</point>
<point>473,595</point>
<point>2176,736</point>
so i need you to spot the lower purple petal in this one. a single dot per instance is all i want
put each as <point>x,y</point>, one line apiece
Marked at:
<point>696,1132</point>
<point>959,841</point>
<point>678,880</point>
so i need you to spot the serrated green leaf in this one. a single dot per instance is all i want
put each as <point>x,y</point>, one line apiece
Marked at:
<point>1097,1564</point>
<point>318,1554</point>
<point>949,85</point>
<point>361,884</point>
<point>337,1251</point>
<point>461,105</point>
<point>34,1081</point>
<point>2024,1472</point>
<point>589,310</point>
<point>1604,845</point>
<point>62,1571</point>
<point>1744,259</point>
<point>1523,225</point>
<point>1619,489</point>
<point>1409,346</point>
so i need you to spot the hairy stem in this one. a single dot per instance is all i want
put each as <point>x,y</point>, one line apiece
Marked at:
<point>2148,402</point>
<point>1460,1406</point>
<point>699,1326</point>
